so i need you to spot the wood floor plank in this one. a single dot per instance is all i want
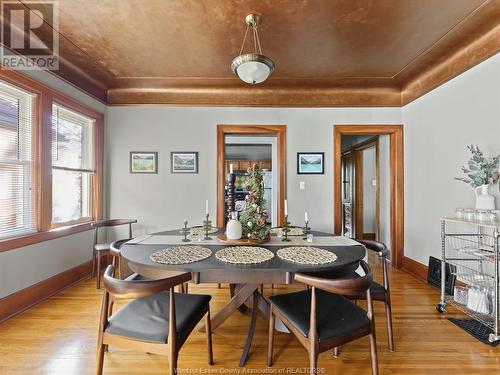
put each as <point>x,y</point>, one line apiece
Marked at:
<point>59,336</point>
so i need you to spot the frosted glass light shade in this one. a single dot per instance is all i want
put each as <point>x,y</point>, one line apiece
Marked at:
<point>252,68</point>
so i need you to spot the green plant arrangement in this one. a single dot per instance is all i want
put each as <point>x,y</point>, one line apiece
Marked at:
<point>480,171</point>
<point>254,217</point>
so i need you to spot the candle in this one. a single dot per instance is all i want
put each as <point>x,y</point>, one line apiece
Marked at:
<point>305,217</point>
<point>286,208</point>
<point>206,207</point>
<point>230,168</point>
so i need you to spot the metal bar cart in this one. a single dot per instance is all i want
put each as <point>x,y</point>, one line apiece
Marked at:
<point>471,248</point>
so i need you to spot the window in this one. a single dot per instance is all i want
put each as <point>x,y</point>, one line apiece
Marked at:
<point>51,149</point>
<point>17,198</point>
<point>72,165</point>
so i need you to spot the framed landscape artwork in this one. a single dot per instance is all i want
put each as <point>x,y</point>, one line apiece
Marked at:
<point>184,162</point>
<point>310,162</point>
<point>143,162</point>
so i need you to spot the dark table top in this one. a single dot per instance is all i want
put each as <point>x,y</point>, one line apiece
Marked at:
<point>347,256</point>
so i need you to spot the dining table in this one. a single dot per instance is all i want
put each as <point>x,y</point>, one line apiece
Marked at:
<point>245,279</point>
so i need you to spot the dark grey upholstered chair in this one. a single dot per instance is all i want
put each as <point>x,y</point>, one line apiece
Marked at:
<point>100,249</point>
<point>157,320</point>
<point>322,317</point>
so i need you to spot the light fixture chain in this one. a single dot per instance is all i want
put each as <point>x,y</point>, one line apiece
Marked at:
<point>254,38</point>
<point>244,40</point>
<point>258,40</point>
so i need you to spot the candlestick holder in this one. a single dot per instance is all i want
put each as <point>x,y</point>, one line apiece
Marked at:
<point>285,229</point>
<point>231,197</point>
<point>185,231</point>
<point>306,230</point>
<point>207,225</point>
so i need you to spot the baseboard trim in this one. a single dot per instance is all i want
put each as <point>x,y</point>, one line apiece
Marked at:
<point>415,268</point>
<point>22,300</point>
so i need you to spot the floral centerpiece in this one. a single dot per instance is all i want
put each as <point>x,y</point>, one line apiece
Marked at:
<point>480,171</point>
<point>254,217</point>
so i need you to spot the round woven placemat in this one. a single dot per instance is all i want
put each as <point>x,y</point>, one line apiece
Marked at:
<point>200,231</point>
<point>294,231</point>
<point>306,255</point>
<point>244,255</point>
<point>181,255</point>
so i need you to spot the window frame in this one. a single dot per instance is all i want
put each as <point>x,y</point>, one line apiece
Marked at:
<point>93,170</point>
<point>44,97</point>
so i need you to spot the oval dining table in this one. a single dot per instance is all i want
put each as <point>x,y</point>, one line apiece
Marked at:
<point>244,279</point>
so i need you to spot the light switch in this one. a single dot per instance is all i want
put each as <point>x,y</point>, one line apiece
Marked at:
<point>302,185</point>
<point>374,182</point>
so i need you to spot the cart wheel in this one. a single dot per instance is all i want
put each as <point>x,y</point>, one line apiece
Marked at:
<point>441,307</point>
<point>493,338</point>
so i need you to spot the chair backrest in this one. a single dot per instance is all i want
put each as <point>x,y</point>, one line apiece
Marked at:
<point>140,288</point>
<point>115,246</point>
<point>112,222</point>
<point>345,287</point>
<point>383,252</point>
<point>376,246</point>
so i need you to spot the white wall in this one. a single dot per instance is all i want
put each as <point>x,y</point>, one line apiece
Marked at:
<point>438,126</point>
<point>23,267</point>
<point>162,201</point>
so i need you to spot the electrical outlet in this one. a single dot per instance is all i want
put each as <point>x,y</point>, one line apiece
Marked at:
<point>302,185</point>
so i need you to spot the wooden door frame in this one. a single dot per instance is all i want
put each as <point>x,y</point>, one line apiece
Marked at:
<point>270,130</point>
<point>396,152</point>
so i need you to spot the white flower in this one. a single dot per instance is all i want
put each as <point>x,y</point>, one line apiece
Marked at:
<point>249,224</point>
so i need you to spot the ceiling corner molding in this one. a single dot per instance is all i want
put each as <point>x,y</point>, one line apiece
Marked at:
<point>259,96</point>
<point>456,63</point>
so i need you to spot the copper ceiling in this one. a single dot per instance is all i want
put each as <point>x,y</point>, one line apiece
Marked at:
<point>327,52</point>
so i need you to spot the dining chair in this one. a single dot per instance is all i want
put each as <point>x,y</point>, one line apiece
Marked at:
<point>381,292</point>
<point>322,317</point>
<point>100,249</point>
<point>115,251</point>
<point>157,320</point>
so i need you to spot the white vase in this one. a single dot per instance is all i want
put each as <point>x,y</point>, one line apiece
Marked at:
<point>484,201</point>
<point>234,230</point>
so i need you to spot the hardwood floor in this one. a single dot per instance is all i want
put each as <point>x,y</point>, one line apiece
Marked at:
<point>58,337</point>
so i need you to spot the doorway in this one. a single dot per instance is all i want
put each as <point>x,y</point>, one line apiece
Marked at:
<point>346,180</point>
<point>243,146</point>
<point>361,187</point>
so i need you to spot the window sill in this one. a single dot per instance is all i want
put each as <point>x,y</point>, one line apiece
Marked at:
<point>33,238</point>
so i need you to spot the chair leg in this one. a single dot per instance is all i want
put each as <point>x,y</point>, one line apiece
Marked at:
<point>388,316</point>
<point>209,338</point>
<point>173,361</point>
<point>93,263</point>
<point>336,351</point>
<point>100,357</point>
<point>186,288</point>
<point>270,338</point>
<point>373,354</point>
<point>98,273</point>
<point>313,360</point>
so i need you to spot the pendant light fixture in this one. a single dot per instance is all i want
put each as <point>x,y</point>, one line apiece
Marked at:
<point>253,67</point>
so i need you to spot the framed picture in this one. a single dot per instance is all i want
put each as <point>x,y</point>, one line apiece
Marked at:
<point>310,162</point>
<point>184,162</point>
<point>143,162</point>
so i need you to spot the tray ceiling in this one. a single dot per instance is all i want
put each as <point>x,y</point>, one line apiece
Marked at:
<point>179,51</point>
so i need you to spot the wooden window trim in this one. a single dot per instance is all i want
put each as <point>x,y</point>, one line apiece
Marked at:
<point>42,162</point>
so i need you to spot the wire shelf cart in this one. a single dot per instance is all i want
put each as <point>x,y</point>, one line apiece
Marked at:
<point>471,248</point>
